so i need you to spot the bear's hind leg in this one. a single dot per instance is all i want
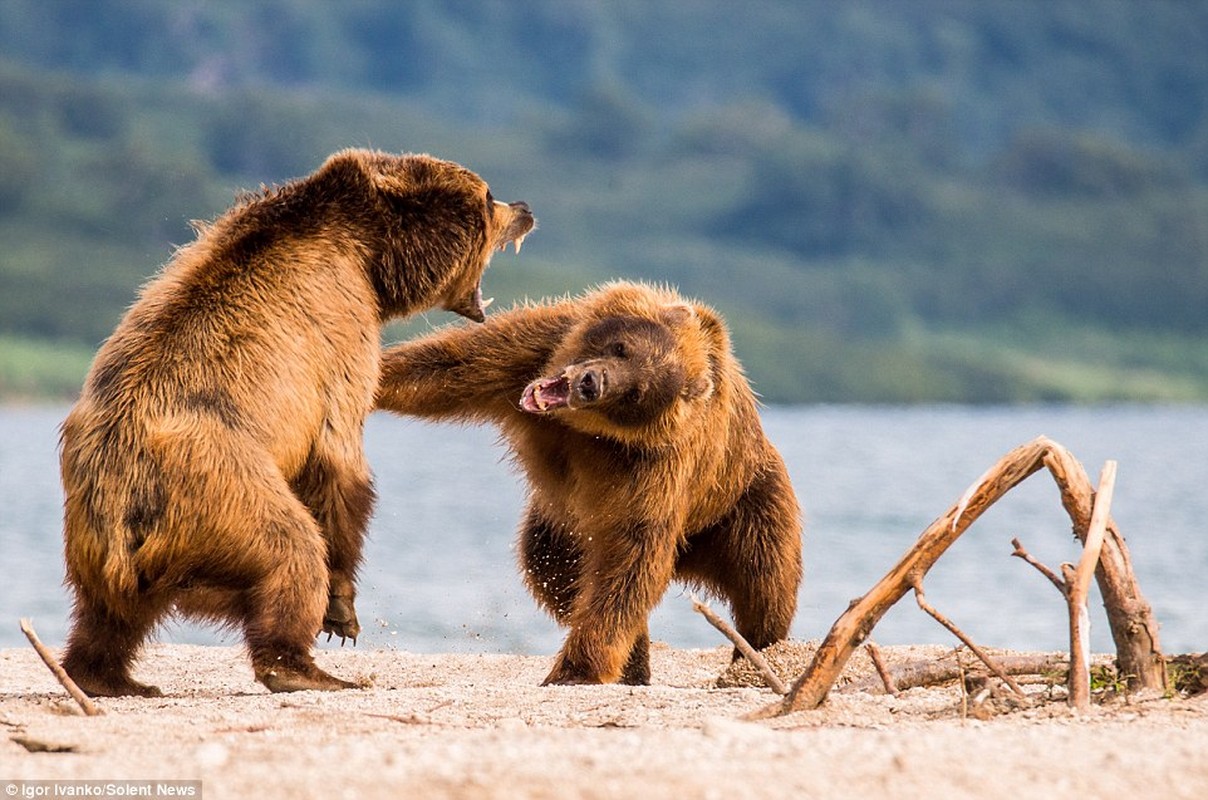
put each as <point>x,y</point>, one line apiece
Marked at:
<point>285,609</point>
<point>257,539</point>
<point>103,644</point>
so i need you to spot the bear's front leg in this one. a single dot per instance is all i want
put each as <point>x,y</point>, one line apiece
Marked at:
<point>340,619</point>
<point>340,496</point>
<point>627,573</point>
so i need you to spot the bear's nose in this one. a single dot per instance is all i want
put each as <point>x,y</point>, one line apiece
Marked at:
<point>589,386</point>
<point>520,205</point>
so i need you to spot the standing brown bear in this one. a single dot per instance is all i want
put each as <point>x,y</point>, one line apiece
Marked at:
<point>213,464</point>
<point>645,458</point>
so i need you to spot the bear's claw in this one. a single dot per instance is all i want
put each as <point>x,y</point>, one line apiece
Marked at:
<point>341,619</point>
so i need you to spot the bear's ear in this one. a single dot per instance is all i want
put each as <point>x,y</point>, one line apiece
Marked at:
<point>678,314</point>
<point>714,328</point>
<point>717,345</point>
<point>699,387</point>
<point>351,170</point>
<point>385,172</point>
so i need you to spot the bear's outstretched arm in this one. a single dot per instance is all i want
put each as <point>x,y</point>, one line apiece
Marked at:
<point>472,373</point>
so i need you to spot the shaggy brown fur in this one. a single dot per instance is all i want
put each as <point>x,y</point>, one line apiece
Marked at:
<point>645,458</point>
<point>213,464</point>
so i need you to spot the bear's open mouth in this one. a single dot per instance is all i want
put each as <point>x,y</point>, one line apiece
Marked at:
<point>520,224</point>
<point>519,240</point>
<point>485,303</point>
<point>546,394</point>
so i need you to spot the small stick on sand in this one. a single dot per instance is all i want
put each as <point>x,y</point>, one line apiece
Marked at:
<point>90,708</point>
<point>960,665</point>
<point>875,653</point>
<point>744,647</point>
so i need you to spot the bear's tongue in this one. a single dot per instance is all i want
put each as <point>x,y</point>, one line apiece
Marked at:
<point>545,394</point>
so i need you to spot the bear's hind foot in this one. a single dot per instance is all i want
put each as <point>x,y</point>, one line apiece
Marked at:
<point>114,686</point>
<point>284,679</point>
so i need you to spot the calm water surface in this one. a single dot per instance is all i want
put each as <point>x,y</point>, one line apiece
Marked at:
<point>440,572</point>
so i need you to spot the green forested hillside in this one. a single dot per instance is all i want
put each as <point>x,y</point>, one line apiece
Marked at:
<point>891,200</point>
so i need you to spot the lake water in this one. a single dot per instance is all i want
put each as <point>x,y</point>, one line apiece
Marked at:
<point>440,572</point>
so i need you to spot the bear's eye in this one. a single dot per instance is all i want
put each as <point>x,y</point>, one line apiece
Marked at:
<point>619,350</point>
<point>490,202</point>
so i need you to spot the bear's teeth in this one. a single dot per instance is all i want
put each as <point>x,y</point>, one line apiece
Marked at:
<point>487,303</point>
<point>519,241</point>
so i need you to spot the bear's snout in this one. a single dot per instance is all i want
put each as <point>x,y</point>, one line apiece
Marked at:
<point>590,385</point>
<point>518,222</point>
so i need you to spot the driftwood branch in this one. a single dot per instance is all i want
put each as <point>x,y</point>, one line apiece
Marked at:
<point>932,672</point>
<point>90,708</point>
<point>1134,628</point>
<point>1074,585</point>
<point>1079,584</point>
<point>1053,577</point>
<point>921,598</point>
<point>754,656</point>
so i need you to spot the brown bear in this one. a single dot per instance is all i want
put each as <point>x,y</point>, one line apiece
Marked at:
<point>645,457</point>
<point>213,465</point>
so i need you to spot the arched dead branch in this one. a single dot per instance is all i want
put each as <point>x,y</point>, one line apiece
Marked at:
<point>1134,629</point>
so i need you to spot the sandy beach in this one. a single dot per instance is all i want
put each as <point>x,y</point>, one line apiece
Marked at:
<point>470,726</point>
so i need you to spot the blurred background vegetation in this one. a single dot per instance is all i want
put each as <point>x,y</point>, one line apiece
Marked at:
<point>891,200</point>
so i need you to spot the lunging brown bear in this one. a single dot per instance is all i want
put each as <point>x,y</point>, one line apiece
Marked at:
<point>645,458</point>
<point>213,464</point>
